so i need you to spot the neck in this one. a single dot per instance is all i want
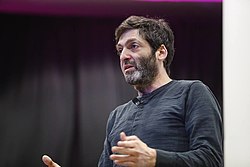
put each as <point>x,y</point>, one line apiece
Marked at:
<point>161,79</point>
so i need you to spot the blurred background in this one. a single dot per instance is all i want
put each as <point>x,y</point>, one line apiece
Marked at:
<point>60,76</point>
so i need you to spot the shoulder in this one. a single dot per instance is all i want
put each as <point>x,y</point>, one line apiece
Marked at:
<point>193,89</point>
<point>181,87</point>
<point>199,93</point>
<point>120,110</point>
<point>190,85</point>
<point>117,114</point>
<point>197,87</point>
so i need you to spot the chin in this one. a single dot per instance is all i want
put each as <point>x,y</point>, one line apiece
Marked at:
<point>133,78</point>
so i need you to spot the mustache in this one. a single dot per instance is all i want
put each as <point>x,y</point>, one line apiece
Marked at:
<point>130,62</point>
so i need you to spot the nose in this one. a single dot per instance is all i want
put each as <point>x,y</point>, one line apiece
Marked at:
<point>125,54</point>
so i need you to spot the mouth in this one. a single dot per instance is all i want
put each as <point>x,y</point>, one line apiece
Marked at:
<point>128,67</point>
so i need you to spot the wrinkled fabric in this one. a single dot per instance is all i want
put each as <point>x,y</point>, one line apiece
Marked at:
<point>181,120</point>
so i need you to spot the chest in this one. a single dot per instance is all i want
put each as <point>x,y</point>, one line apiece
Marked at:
<point>158,124</point>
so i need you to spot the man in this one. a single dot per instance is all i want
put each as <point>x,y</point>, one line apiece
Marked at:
<point>172,123</point>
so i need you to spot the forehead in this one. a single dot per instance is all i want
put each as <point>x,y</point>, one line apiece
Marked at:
<point>130,35</point>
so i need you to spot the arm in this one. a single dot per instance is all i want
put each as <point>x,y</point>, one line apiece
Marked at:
<point>104,160</point>
<point>204,128</point>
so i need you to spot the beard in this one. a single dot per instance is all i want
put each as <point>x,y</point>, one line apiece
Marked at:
<point>145,73</point>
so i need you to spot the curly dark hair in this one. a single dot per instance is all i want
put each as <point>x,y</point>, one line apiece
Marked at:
<point>155,31</point>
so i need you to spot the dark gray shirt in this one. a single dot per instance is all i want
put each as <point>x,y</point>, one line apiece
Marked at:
<point>181,120</point>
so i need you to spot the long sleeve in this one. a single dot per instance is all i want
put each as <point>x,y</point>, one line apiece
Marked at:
<point>203,125</point>
<point>104,160</point>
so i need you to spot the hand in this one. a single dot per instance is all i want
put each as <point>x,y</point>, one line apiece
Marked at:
<point>132,152</point>
<point>49,162</point>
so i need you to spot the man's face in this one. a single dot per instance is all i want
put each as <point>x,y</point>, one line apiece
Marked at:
<point>137,62</point>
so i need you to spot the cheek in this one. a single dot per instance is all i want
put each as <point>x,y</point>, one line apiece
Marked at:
<point>121,66</point>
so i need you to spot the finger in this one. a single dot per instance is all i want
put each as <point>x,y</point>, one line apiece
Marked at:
<point>123,160</point>
<point>122,150</point>
<point>118,150</point>
<point>124,163</point>
<point>49,162</point>
<point>118,156</point>
<point>123,136</point>
<point>129,138</point>
<point>128,143</point>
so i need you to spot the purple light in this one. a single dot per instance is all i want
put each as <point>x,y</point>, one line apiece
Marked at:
<point>181,0</point>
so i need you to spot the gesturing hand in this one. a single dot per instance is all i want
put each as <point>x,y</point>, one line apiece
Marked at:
<point>49,162</point>
<point>132,152</point>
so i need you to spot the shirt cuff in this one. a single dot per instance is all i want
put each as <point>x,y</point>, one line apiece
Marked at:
<point>164,158</point>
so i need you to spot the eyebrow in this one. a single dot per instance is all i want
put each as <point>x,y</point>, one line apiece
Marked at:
<point>128,41</point>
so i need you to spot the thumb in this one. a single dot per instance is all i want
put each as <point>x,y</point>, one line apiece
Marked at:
<point>49,162</point>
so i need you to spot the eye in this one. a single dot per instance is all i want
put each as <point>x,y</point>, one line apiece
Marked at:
<point>119,50</point>
<point>134,46</point>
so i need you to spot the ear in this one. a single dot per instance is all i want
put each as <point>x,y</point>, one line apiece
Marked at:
<point>161,53</point>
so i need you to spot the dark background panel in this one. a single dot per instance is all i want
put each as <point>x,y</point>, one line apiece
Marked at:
<point>60,76</point>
